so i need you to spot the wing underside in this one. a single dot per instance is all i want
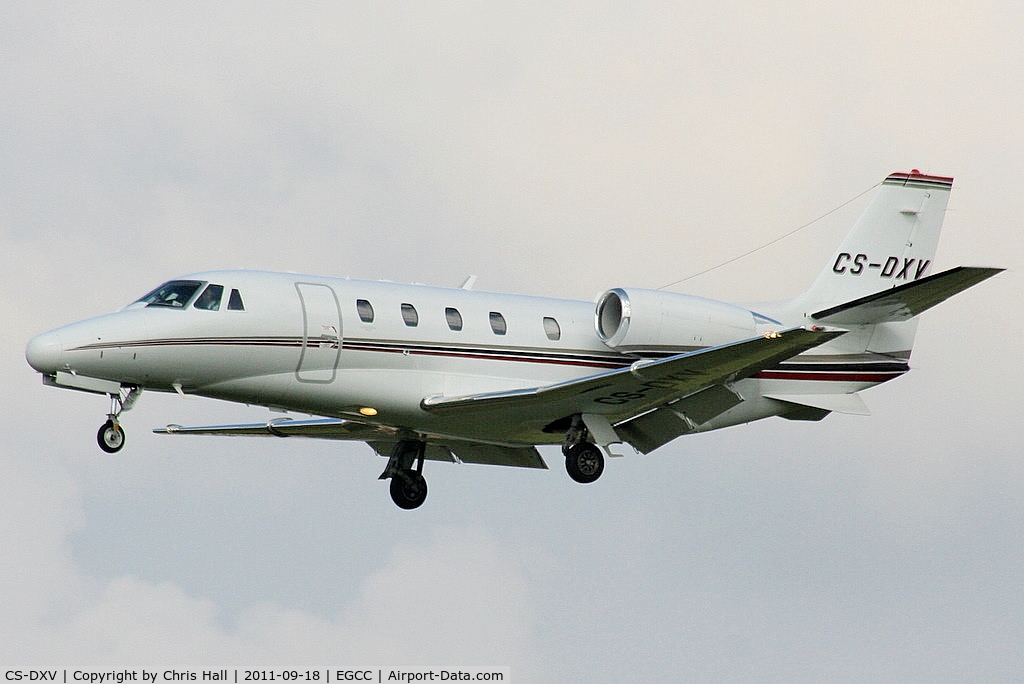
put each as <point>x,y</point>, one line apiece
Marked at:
<point>381,438</point>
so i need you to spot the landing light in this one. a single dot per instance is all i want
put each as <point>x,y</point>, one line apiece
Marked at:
<point>772,335</point>
<point>368,411</point>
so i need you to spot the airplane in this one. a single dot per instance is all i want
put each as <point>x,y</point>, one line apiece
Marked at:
<point>425,373</point>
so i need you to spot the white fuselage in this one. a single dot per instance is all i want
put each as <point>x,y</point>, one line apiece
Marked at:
<point>336,347</point>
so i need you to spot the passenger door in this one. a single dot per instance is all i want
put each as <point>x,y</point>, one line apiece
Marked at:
<point>321,340</point>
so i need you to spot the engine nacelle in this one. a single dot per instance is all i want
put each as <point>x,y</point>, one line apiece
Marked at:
<point>636,320</point>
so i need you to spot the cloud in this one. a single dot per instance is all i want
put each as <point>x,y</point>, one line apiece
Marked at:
<point>551,150</point>
<point>455,598</point>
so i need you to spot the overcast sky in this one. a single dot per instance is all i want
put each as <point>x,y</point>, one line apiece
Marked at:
<point>556,150</point>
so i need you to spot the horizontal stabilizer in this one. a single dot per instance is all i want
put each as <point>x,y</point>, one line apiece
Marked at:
<point>851,404</point>
<point>906,301</point>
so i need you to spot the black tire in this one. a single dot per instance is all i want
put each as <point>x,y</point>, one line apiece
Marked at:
<point>110,437</point>
<point>408,489</point>
<point>584,462</point>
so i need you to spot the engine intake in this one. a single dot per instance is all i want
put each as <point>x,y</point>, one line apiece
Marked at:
<point>637,321</point>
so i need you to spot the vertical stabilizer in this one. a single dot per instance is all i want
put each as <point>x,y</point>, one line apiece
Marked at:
<point>892,243</point>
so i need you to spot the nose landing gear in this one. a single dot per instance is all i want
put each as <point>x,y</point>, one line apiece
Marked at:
<point>111,435</point>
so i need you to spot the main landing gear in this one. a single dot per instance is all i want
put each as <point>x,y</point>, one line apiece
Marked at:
<point>584,460</point>
<point>405,468</point>
<point>111,435</point>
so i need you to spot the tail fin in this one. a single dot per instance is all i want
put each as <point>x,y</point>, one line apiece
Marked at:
<point>875,285</point>
<point>891,245</point>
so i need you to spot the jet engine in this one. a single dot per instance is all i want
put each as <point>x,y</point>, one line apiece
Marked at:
<point>639,321</point>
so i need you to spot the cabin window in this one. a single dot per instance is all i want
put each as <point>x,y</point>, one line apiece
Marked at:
<point>174,294</point>
<point>210,299</point>
<point>235,301</point>
<point>365,310</point>
<point>551,328</point>
<point>409,315</point>
<point>454,318</point>
<point>498,324</point>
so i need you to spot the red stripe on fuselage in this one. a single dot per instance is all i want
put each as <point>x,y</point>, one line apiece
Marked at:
<point>486,356</point>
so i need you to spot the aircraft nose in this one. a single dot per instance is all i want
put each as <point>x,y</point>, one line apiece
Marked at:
<point>44,352</point>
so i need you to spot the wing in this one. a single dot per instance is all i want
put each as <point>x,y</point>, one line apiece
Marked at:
<point>615,396</point>
<point>382,438</point>
<point>906,301</point>
<point>320,428</point>
<point>622,394</point>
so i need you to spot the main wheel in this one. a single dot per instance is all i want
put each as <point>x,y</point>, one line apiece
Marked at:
<point>408,489</point>
<point>584,462</point>
<point>110,437</point>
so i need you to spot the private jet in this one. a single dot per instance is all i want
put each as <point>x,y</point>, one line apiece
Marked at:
<point>425,373</point>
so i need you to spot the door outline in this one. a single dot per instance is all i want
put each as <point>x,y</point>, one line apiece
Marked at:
<point>321,333</point>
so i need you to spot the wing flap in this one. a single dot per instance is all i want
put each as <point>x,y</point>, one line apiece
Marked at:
<point>653,429</point>
<point>701,407</point>
<point>660,426</point>
<point>491,454</point>
<point>458,451</point>
<point>906,301</point>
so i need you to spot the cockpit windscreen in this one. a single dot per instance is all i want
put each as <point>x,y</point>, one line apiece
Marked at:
<point>174,294</point>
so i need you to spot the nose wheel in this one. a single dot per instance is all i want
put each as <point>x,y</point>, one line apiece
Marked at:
<point>110,437</point>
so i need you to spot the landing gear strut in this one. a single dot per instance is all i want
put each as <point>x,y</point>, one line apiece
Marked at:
<point>584,460</point>
<point>405,468</point>
<point>111,436</point>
